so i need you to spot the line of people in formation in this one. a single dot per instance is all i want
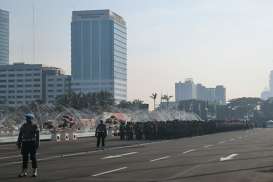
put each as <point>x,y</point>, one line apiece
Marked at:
<point>176,129</point>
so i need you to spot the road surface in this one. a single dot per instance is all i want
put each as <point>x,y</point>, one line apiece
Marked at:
<point>227,157</point>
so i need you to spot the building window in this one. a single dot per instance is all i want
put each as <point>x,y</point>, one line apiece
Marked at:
<point>36,80</point>
<point>36,91</point>
<point>11,91</point>
<point>36,96</point>
<point>28,74</point>
<point>20,91</point>
<point>50,85</point>
<point>36,85</point>
<point>19,86</point>
<point>11,81</point>
<point>3,81</point>
<point>3,86</point>
<point>50,90</point>
<point>11,75</point>
<point>3,91</point>
<point>19,75</point>
<point>28,91</point>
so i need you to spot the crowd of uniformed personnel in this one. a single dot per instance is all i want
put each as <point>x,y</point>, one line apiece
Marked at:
<point>176,129</point>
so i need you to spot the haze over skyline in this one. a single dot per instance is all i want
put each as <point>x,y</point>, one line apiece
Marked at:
<point>212,41</point>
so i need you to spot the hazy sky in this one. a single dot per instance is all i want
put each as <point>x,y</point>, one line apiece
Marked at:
<point>227,42</point>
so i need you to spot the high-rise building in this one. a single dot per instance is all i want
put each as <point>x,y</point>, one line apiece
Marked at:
<point>99,53</point>
<point>22,84</point>
<point>268,93</point>
<point>201,92</point>
<point>185,91</point>
<point>4,37</point>
<point>189,90</point>
<point>271,81</point>
<point>220,94</point>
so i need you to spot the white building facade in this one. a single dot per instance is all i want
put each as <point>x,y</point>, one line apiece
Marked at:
<point>189,90</point>
<point>22,84</point>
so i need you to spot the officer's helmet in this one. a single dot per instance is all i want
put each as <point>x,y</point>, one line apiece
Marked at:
<point>29,116</point>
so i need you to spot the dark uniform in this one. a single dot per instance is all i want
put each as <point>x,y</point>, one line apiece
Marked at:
<point>28,141</point>
<point>122,131</point>
<point>101,133</point>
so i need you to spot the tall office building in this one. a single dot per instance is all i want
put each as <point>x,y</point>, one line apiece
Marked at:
<point>4,37</point>
<point>99,53</point>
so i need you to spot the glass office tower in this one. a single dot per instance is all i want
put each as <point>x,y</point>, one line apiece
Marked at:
<point>4,37</point>
<point>99,53</point>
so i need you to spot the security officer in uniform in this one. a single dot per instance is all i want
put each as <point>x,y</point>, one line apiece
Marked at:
<point>122,131</point>
<point>28,141</point>
<point>101,133</point>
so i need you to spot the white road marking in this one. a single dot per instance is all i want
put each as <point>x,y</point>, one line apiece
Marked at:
<point>10,157</point>
<point>188,151</point>
<point>161,158</point>
<point>232,139</point>
<point>208,146</point>
<point>82,153</point>
<point>111,171</point>
<point>118,156</point>
<point>74,154</point>
<point>229,157</point>
<point>240,137</point>
<point>221,142</point>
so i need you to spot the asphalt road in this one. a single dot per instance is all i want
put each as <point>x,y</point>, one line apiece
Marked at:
<point>226,157</point>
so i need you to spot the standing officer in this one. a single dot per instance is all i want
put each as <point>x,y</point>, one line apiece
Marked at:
<point>28,141</point>
<point>101,133</point>
<point>122,131</point>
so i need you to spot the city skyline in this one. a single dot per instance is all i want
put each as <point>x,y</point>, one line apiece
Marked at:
<point>211,41</point>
